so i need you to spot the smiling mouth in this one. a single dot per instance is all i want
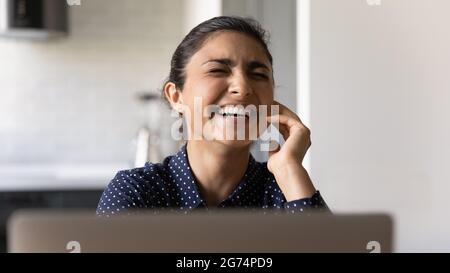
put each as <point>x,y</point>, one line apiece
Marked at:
<point>230,115</point>
<point>230,111</point>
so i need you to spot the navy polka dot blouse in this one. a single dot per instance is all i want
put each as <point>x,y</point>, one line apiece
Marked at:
<point>172,185</point>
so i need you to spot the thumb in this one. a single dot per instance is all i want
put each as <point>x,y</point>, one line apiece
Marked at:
<point>274,147</point>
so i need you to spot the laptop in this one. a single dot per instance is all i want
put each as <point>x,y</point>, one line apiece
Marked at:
<point>197,232</point>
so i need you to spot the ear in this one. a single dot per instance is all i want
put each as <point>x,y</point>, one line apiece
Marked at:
<point>174,96</point>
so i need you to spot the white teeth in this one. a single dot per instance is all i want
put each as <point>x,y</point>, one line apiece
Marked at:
<point>232,110</point>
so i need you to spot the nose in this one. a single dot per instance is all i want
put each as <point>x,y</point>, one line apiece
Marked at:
<point>240,86</point>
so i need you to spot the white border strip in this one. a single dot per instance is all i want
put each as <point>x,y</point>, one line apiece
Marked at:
<point>197,11</point>
<point>303,68</point>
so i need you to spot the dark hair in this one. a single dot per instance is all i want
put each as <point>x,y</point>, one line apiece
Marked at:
<point>195,38</point>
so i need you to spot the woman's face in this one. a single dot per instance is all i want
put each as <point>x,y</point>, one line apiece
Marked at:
<point>230,69</point>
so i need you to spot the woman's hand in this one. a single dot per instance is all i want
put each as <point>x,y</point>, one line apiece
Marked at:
<point>286,162</point>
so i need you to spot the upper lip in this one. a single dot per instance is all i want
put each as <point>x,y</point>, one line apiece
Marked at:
<point>234,104</point>
<point>222,105</point>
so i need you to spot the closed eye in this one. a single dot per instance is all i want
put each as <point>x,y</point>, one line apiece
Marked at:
<point>261,75</point>
<point>217,71</point>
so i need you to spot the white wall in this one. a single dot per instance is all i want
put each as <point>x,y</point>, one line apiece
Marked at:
<point>74,100</point>
<point>380,115</point>
<point>198,11</point>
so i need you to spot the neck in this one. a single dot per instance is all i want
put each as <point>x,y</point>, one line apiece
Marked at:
<point>218,168</point>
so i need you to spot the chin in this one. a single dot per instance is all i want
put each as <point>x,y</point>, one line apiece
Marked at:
<point>235,143</point>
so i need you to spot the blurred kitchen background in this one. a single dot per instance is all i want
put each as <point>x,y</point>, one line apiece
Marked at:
<point>80,100</point>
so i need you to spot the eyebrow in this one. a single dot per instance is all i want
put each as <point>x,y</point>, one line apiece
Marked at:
<point>250,66</point>
<point>221,61</point>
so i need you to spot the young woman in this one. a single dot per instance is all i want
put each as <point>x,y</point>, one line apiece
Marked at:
<point>225,62</point>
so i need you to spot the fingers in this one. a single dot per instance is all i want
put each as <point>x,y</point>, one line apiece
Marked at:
<point>287,121</point>
<point>282,127</point>
<point>284,132</point>
<point>288,125</point>
<point>286,111</point>
<point>297,136</point>
<point>274,147</point>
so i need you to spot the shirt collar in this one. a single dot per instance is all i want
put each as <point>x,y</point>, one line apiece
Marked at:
<point>184,179</point>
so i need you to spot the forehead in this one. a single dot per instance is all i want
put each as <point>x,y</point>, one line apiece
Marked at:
<point>231,45</point>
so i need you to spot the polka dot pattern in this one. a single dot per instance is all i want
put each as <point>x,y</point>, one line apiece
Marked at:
<point>171,185</point>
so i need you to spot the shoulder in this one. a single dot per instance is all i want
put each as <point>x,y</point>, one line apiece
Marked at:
<point>133,188</point>
<point>143,177</point>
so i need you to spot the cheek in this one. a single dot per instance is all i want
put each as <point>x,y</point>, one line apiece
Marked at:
<point>265,95</point>
<point>200,93</point>
<point>209,89</point>
<point>213,88</point>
